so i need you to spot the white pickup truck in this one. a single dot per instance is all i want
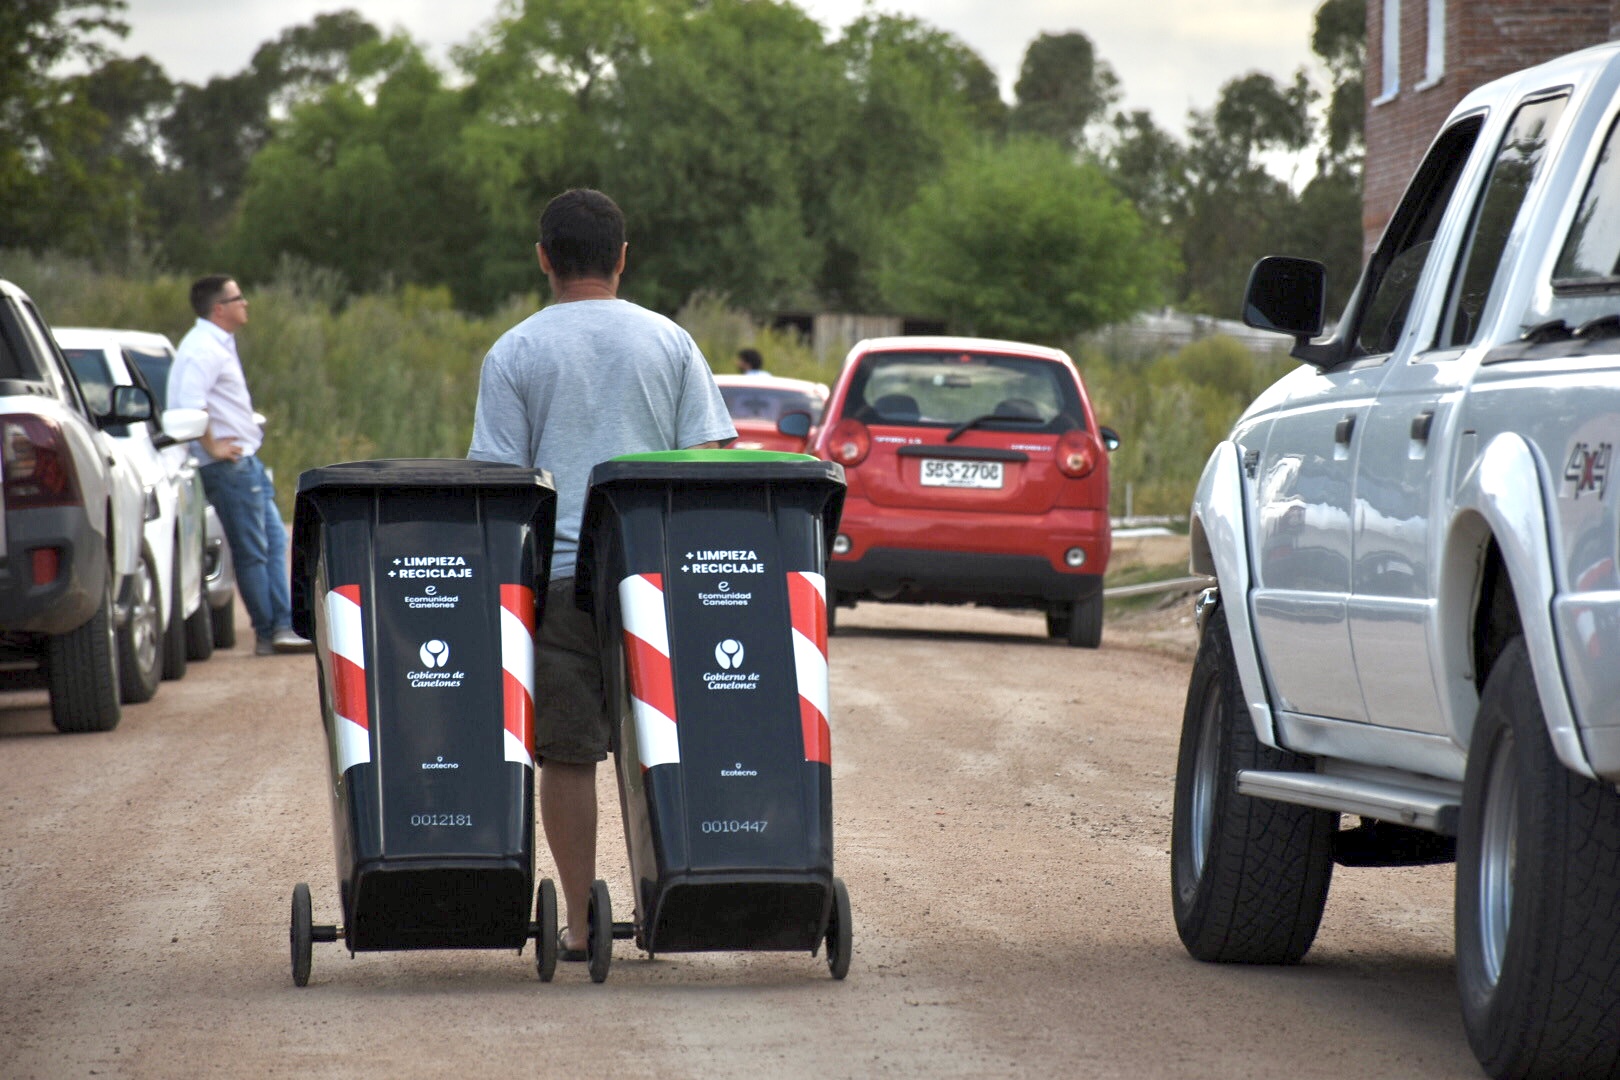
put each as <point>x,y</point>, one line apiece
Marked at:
<point>72,567</point>
<point>1413,650</point>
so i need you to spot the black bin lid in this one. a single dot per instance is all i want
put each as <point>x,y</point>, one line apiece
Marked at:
<point>422,473</point>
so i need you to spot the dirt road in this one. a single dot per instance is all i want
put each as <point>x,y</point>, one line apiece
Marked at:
<point>1002,807</point>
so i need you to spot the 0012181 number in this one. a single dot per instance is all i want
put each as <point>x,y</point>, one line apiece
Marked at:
<point>733,826</point>
<point>433,820</point>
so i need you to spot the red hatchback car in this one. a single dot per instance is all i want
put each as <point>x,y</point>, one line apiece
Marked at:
<point>977,474</point>
<point>757,404</point>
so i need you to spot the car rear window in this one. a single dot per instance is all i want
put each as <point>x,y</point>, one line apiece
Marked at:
<point>758,403</point>
<point>951,388</point>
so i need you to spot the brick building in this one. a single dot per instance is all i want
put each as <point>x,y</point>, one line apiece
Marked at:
<point>1424,56</point>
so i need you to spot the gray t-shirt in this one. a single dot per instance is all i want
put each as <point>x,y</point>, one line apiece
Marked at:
<point>578,383</point>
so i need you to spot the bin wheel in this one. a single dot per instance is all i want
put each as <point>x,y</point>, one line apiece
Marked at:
<point>840,936</point>
<point>600,946</point>
<point>545,942</point>
<point>302,935</point>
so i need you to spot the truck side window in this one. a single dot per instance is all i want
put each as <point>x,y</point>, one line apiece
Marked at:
<point>1518,161</point>
<point>1590,261</point>
<point>1393,272</point>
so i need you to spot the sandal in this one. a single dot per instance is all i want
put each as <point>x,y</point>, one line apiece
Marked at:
<point>571,955</point>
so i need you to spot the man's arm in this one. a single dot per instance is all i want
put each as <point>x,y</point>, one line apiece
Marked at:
<point>710,445</point>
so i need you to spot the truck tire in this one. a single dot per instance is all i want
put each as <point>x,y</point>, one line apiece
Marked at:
<point>174,634</point>
<point>1249,876</point>
<point>82,672</point>
<point>1538,886</point>
<point>140,639</point>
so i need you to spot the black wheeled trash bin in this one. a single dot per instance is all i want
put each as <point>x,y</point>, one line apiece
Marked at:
<point>421,582</point>
<point>705,572</point>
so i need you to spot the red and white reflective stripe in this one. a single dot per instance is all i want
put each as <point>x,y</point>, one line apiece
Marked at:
<point>345,631</point>
<point>517,672</point>
<point>807,607</point>
<point>646,656</point>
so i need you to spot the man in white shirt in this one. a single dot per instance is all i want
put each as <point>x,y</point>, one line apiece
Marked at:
<point>207,374</point>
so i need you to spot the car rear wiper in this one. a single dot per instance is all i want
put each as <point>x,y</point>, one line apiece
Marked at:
<point>962,429</point>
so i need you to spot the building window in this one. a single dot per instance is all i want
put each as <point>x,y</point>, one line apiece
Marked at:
<point>1392,52</point>
<point>1435,63</point>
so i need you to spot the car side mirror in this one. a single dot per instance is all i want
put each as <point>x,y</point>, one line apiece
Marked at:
<point>794,424</point>
<point>181,425</point>
<point>1110,437</point>
<point>128,405</point>
<point>1288,296</point>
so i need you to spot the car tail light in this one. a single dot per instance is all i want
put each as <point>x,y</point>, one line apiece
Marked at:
<point>37,465</point>
<point>1077,453</point>
<point>849,442</point>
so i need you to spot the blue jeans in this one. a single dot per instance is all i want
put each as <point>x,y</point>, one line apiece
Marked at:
<point>245,499</point>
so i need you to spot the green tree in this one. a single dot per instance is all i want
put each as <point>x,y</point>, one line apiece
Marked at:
<point>368,185</point>
<point>1062,87</point>
<point>720,139</point>
<point>49,196</point>
<point>214,131</point>
<point>1021,241</point>
<point>919,99</point>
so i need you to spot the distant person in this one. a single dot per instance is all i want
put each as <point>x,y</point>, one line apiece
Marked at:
<point>207,374</point>
<point>749,362</point>
<point>588,378</point>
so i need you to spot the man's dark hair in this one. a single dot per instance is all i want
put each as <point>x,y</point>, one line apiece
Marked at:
<point>751,359</point>
<point>205,293</point>
<point>582,232</point>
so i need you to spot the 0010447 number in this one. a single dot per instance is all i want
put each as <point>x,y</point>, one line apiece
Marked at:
<point>434,820</point>
<point>733,826</point>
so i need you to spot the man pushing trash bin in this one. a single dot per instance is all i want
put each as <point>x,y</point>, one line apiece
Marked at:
<point>587,378</point>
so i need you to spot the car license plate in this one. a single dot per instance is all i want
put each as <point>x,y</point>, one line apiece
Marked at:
<point>961,474</point>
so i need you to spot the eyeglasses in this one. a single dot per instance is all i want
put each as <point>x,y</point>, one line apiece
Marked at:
<point>232,299</point>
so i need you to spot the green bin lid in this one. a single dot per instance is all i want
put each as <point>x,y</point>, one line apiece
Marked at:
<point>717,456</point>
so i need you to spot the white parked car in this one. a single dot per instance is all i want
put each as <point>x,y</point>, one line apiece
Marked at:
<point>173,622</point>
<point>153,356</point>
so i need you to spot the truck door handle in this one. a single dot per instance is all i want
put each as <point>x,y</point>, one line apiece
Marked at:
<point>1342,430</point>
<point>1421,424</point>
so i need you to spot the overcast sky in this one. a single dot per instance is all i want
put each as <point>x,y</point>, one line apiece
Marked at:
<point>1170,55</point>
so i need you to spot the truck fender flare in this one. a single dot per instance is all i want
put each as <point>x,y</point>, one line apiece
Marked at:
<point>1219,544</point>
<point>1505,489</point>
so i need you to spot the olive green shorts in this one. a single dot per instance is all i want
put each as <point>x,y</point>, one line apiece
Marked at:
<point>571,723</point>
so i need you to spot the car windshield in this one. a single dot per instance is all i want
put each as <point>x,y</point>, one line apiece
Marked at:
<point>767,403</point>
<point>95,377</point>
<point>953,388</point>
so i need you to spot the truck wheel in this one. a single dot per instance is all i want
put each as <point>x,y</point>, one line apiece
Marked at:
<point>1249,876</point>
<point>82,669</point>
<point>174,635</point>
<point>200,629</point>
<point>1538,885</point>
<point>140,639</point>
<point>1085,623</point>
<point>224,620</point>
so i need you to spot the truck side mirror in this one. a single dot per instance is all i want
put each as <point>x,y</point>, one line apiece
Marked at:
<point>1286,295</point>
